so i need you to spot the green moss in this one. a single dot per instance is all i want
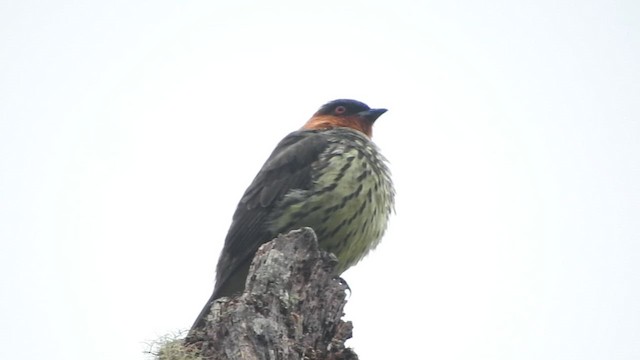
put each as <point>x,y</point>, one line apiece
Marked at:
<point>171,347</point>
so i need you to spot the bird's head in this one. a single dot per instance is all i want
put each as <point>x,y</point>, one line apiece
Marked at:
<point>344,113</point>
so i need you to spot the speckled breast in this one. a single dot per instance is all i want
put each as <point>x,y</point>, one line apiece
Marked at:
<point>349,202</point>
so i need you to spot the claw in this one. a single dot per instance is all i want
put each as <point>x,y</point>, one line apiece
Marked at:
<point>343,283</point>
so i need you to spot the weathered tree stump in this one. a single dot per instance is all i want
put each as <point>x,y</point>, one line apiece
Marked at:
<point>291,307</point>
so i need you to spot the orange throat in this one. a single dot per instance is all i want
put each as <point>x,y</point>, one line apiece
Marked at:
<point>323,122</point>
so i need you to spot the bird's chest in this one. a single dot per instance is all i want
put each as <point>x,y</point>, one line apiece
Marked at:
<point>348,204</point>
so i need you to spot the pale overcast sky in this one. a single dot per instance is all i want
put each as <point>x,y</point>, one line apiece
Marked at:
<point>130,129</point>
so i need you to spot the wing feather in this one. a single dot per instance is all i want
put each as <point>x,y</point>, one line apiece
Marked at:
<point>289,167</point>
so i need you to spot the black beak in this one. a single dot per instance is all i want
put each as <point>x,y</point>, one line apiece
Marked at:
<point>372,114</point>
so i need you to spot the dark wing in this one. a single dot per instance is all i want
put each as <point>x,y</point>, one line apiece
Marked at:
<point>288,167</point>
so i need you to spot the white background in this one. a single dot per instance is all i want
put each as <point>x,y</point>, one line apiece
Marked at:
<point>130,129</point>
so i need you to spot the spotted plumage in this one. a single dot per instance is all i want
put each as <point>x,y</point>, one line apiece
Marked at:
<point>329,176</point>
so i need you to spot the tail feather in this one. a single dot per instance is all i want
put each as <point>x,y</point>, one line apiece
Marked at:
<point>233,286</point>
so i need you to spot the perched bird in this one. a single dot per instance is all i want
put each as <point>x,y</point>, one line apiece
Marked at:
<point>329,176</point>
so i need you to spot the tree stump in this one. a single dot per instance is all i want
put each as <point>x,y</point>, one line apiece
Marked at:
<point>291,308</point>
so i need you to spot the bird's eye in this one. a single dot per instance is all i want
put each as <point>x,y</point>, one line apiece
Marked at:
<point>340,110</point>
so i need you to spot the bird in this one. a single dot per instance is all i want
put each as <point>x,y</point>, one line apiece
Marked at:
<point>328,176</point>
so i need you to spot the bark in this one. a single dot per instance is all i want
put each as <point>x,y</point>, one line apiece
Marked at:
<point>291,307</point>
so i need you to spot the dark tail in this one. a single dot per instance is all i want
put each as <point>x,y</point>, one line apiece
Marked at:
<point>233,286</point>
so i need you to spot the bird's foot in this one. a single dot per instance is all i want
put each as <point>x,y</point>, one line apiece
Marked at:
<point>343,283</point>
